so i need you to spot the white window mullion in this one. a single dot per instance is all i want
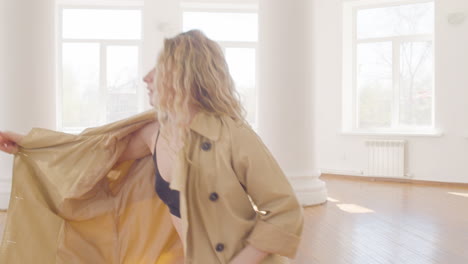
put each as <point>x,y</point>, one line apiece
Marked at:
<point>390,3</point>
<point>239,44</point>
<point>101,4</point>
<point>219,7</point>
<point>140,91</point>
<point>109,41</point>
<point>420,37</point>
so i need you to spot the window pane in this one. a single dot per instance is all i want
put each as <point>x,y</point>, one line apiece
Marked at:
<point>395,20</point>
<point>80,84</point>
<point>241,63</point>
<point>122,69</point>
<point>101,24</point>
<point>374,85</point>
<point>120,106</point>
<point>122,82</point>
<point>416,67</point>
<point>223,26</point>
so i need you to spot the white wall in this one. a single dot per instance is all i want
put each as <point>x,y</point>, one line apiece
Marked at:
<point>443,158</point>
<point>5,161</point>
<point>27,96</point>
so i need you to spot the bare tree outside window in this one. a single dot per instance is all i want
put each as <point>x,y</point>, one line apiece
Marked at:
<point>394,66</point>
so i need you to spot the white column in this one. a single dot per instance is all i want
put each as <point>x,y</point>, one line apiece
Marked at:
<point>27,79</point>
<point>285,93</point>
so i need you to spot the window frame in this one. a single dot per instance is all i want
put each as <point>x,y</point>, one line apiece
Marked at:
<point>350,103</point>
<point>229,8</point>
<point>103,44</point>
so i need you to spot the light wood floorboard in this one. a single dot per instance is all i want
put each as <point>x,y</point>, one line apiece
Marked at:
<point>386,222</point>
<point>366,222</point>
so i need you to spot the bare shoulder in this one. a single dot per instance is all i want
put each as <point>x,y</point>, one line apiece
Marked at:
<point>148,133</point>
<point>140,143</point>
<point>149,128</point>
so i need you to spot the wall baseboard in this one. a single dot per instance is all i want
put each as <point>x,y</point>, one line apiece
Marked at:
<point>397,180</point>
<point>341,172</point>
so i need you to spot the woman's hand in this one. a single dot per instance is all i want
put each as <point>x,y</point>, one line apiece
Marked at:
<point>9,142</point>
<point>249,255</point>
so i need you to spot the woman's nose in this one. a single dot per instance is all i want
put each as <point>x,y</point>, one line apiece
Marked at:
<point>149,77</point>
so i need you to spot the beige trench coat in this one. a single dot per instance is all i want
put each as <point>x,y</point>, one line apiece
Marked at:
<point>70,203</point>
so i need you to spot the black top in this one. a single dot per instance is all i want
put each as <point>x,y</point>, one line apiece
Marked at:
<point>168,196</point>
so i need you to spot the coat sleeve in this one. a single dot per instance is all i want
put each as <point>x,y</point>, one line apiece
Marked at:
<point>280,215</point>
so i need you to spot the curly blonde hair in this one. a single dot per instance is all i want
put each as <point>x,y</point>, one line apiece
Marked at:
<point>192,71</point>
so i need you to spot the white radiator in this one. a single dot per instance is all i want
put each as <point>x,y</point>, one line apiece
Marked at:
<point>386,158</point>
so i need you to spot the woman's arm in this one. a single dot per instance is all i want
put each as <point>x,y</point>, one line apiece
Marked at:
<point>279,224</point>
<point>140,143</point>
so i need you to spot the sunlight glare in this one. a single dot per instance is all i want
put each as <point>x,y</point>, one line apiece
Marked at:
<point>354,208</point>
<point>459,194</point>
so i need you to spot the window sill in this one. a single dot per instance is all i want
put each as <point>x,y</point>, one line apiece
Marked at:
<point>428,133</point>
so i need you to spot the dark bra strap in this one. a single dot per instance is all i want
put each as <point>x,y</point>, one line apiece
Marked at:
<point>154,151</point>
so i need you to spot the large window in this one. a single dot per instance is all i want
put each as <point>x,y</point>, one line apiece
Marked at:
<point>99,65</point>
<point>389,67</point>
<point>235,28</point>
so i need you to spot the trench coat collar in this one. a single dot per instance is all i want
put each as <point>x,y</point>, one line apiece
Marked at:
<point>207,125</point>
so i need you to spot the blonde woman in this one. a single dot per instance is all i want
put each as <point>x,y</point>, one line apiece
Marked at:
<point>232,204</point>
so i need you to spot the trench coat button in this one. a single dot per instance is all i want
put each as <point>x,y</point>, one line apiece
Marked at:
<point>206,146</point>
<point>214,196</point>
<point>219,247</point>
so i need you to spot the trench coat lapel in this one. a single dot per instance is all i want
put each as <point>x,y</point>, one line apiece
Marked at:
<point>208,126</point>
<point>205,125</point>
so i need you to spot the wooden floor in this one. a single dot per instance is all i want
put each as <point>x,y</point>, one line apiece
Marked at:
<point>367,222</point>
<point>374,222</point>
